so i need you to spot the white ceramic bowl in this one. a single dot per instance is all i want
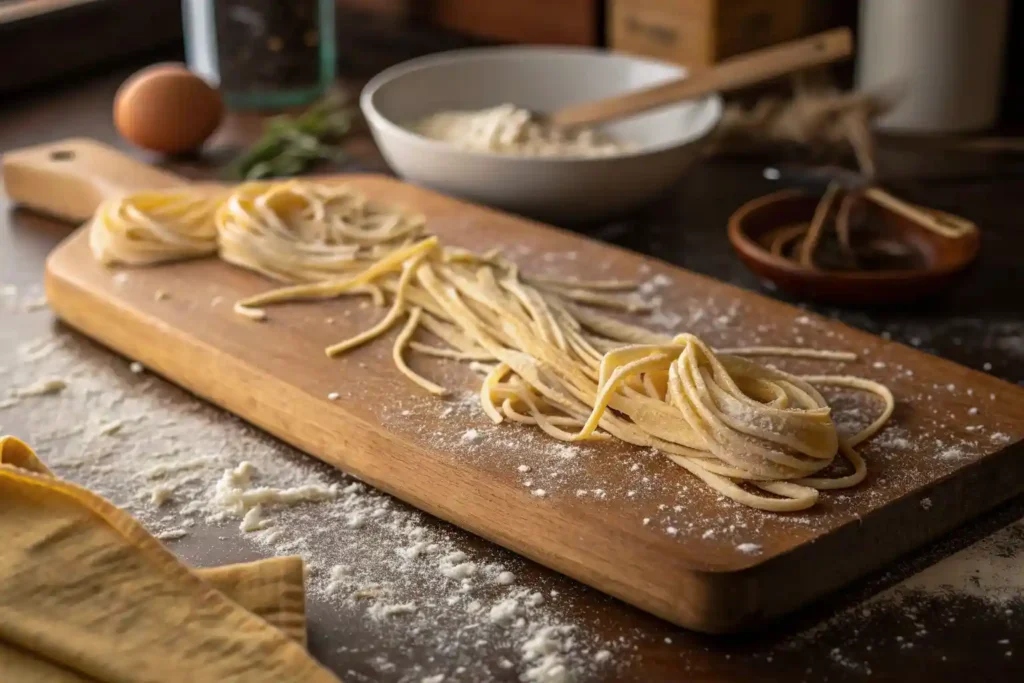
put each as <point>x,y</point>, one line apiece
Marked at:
<point>561,189</point>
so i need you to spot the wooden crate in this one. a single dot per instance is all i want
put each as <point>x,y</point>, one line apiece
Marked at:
<point>701,32</point>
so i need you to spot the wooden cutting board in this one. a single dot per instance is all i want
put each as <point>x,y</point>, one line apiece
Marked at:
<point>619,518</point>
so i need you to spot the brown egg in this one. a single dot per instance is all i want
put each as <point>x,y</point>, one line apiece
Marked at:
<point>167,108</point>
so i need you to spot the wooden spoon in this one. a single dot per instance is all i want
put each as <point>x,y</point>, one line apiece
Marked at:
<point>732,74</point>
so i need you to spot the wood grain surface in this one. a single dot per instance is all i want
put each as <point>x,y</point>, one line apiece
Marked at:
<point>385,431</point>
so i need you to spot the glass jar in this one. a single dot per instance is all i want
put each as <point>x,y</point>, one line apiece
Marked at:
<point>262,54</point>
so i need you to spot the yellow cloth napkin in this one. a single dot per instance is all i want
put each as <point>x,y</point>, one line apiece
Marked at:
<point>86,594</point>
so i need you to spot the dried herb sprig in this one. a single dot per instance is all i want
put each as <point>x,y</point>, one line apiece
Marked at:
<point>292,144</point>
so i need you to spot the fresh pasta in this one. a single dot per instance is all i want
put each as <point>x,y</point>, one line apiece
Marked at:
<point>151,227</point>
<point>546,353</point>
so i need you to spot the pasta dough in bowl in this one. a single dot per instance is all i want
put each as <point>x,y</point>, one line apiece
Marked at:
<point>460,122</point>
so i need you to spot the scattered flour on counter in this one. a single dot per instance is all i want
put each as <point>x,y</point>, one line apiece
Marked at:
<point>37,349</point>
<point>43,387</point>
<point>504,612</point>
<point>505,578</point>
<point>161,494</point>
<point>355,520</point>
<point>989,569</point>
<point>110,428</point>
<point>463,570</point>
<point>414,551</point>
<point>37,304</point>
<point>162,470</point>
<point>749,548</point>
<point>985,576</point>
<point>953,453</point>
<point>253,520</point>
<point>235,495</point>
<point>381,611</point>
<point>543,651</point>
<point>171,534</point>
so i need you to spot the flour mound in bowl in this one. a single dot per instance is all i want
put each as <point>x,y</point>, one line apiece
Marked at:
<point>508,129</point>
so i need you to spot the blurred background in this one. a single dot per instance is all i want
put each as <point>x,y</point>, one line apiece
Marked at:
<point>927,107</point>
<point>44,40</point>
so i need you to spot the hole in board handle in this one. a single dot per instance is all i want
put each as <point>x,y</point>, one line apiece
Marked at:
<point>62,155</point>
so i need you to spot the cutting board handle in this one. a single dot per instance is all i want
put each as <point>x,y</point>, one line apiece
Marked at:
<point>70,178</point>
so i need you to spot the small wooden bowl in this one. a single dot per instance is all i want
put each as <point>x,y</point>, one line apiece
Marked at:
<point>944,258</point>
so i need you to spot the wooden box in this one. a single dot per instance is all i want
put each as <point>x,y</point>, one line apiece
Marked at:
<point>701,32</point>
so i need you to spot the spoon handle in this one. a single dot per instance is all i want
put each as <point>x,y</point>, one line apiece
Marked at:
<point>733,73</point>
